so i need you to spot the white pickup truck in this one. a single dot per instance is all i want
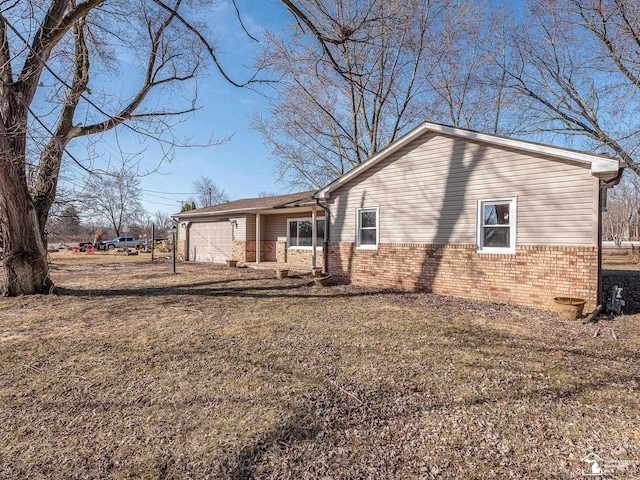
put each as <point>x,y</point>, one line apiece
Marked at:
<point>124,242</point>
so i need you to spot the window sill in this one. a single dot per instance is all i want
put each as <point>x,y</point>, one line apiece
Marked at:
<point>366,247</point>
<point>497,251</point>
<point>318,247</point>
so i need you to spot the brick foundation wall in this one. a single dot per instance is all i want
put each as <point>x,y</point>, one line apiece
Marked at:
<point>181,250</point>
<point>303,256</point>
<point>531,277</point>
<point>281,251</point>
<point>239,251</point>
<point>245,251</point>
<point>270,251</point>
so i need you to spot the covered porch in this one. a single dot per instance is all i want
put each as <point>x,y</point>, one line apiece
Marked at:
<point>289,239</point>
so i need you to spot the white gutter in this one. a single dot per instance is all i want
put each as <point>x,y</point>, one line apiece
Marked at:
<point>272,209</point>
<point>219,212</point>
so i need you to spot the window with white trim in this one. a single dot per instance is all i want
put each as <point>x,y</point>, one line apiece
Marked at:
<point>300,233</point>
<point>367,221</point>
<point>497,226</point>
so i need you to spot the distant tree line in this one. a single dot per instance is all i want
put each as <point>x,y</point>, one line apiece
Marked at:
<point>70,225</point>
<point>621,221</point>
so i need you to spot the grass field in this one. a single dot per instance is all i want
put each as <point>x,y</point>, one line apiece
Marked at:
<point>131,371</point>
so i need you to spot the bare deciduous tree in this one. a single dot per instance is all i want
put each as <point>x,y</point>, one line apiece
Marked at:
<point>356,75</point>
<point>266,193</point>
<point>208,193</point>
<point>115,199</point>
<point>163,223</point>
<point>621,221</point>
<point>62,64</point>
<point>575,66</point>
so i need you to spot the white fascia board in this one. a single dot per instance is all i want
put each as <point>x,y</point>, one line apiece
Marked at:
<point>606,166</point>
<point>215,214</point>
<point>242,211</point>
<point>599,165</point>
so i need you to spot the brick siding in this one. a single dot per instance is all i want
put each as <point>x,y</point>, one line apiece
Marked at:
<point>240,253</point>
<point>531,277</point>
<point>303,256</point>
<point>270,251</point>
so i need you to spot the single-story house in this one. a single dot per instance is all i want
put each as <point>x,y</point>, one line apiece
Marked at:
<point>442,210</point>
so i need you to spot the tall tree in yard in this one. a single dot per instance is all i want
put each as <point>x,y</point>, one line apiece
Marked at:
<point>208,193</point>
<point>621,221</point>
<point>575,69</point>
<point>69,221</point>
<point>115,198</point>
<point>356,75</point>
<point>58,59</point>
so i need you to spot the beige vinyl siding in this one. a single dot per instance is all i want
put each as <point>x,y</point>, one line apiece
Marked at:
<point>277,225</point>
<point>263,223</point>
<point>240,228</point>
<point>250,227</point>
<point>428,192</point>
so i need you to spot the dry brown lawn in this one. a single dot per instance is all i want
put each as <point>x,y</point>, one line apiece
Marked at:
<point>131,371</point>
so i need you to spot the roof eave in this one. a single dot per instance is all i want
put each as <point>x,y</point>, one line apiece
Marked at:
<point>304,202</point>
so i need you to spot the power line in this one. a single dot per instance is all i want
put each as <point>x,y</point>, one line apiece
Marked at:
<point>167,193</point>
<point>160,203</point>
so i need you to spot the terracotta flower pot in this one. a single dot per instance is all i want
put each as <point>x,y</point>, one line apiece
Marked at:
<point>569,307</point>
<point>323,280</point>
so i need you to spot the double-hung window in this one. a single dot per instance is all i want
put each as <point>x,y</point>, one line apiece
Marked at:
<point>368,227</point>
<point>301,233</point>
<point>497,226</point>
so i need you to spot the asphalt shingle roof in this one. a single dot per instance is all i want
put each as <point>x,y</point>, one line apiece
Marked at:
<point>251,204</point>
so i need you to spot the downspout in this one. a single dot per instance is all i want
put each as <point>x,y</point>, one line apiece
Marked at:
<point>325,242</point>
<point>601,196</point>
<point>602,193</point>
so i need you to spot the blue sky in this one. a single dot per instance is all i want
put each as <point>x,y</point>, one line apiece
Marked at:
<point>241,166</point>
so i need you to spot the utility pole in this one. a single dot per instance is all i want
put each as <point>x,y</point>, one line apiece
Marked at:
<point>209,190</point>
<point>174,230</point>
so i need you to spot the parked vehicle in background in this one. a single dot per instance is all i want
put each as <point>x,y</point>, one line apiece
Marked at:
<point>157,243</point>
<point>124,242</point>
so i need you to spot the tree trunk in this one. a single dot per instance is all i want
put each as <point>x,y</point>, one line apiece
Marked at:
<point>25,269</point>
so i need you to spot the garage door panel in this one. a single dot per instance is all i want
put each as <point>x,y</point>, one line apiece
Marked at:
<point>210,242</point>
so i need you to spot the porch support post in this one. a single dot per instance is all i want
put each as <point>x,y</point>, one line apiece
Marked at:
<point>257,238</point>
<point>314,241</point>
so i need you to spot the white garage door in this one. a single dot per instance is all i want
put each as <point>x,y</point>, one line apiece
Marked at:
<point>210,242</point>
